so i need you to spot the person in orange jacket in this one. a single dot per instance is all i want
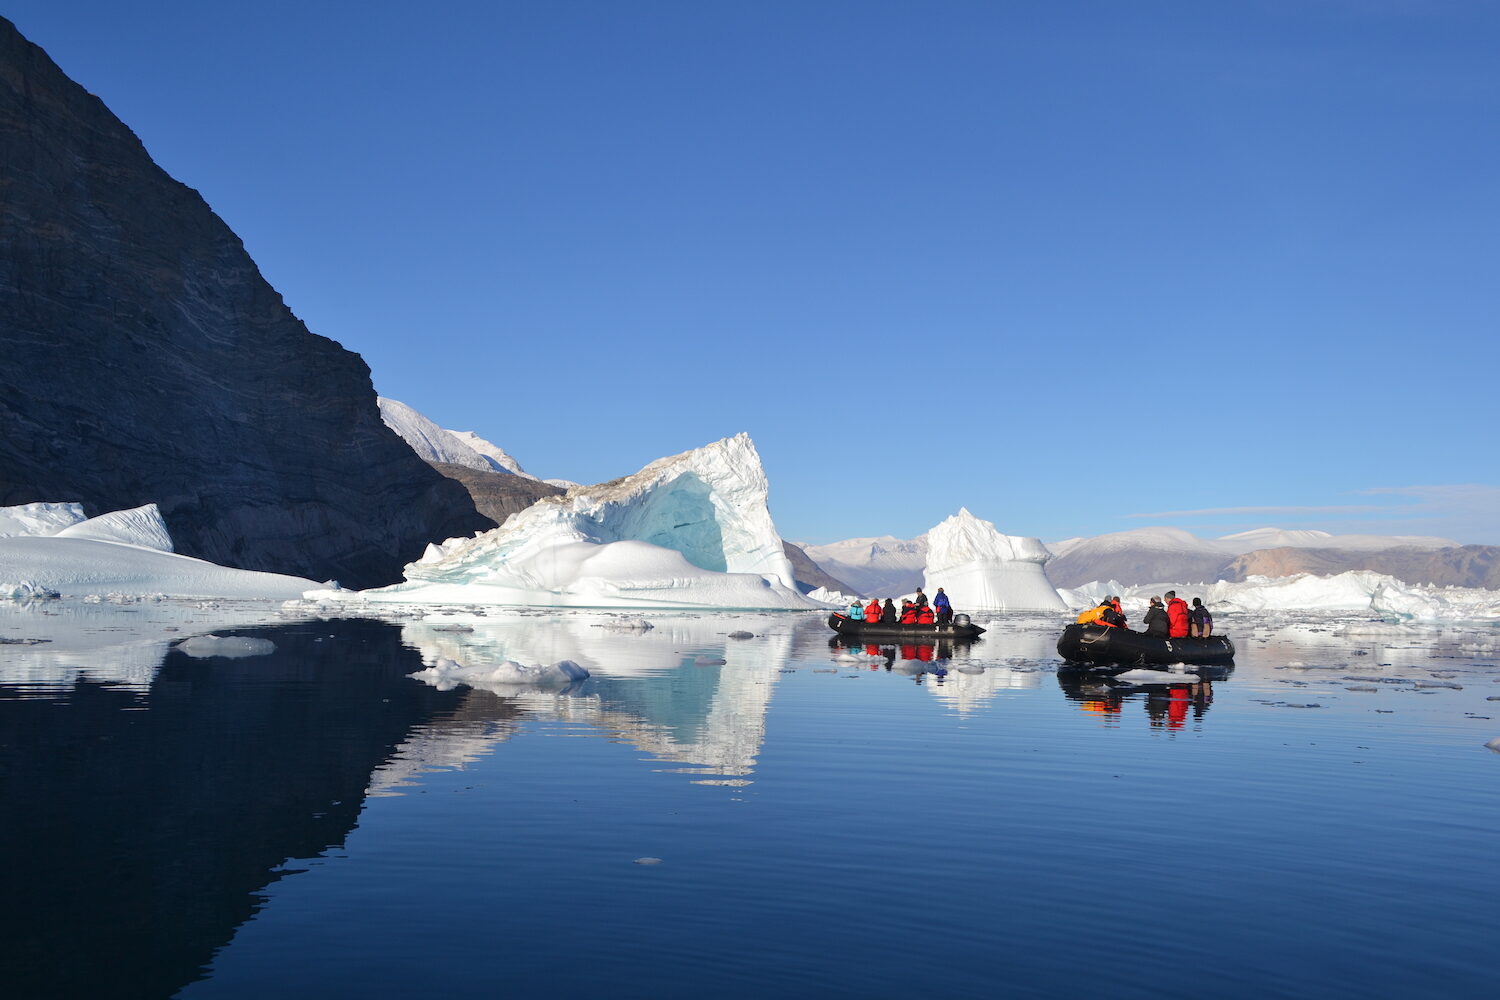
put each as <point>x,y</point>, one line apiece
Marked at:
<point>1177,616</point>
<point>872,611</point>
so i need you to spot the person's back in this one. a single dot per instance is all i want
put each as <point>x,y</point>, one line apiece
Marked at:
<point>925,615</point>
<point>856,612</point>
<point>1177,616</point>
<point>944,607</point>
<point>908,613</point>
<point>872,611</point>
<point>888,613</point>
<point>1200,620</point>
<point>1114,602</point>
<point>1156,619</point>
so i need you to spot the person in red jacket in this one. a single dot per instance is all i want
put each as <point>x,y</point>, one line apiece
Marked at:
<point>872,611</point>
<point>908,613</point>
<point>1177,616</point>
<point>1115,601</point>
<point>925,615</point>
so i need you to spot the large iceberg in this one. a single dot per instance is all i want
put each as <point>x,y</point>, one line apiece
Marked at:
<point>692,530</point>
<point>979,568</point>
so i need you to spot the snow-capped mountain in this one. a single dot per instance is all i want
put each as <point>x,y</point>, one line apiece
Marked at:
<point>875,567</point>
<point>438,444</point>
<point>1146,555</point>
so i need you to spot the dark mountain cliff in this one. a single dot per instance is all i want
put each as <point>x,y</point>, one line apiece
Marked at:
<point>143,358</point>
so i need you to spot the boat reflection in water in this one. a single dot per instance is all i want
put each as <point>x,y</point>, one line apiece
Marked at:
<point>1170,703</point>
<point>916,659</point>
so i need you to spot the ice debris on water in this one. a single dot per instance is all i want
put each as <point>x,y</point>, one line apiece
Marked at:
<point>447,674</point>
<point>709,661</point>
<point>626,625</point>
<point>1494,744</point>
<point>228,646</point>
<point>648,861</point>
<point>742,635</point>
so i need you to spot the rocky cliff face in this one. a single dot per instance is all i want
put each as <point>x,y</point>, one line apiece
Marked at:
<point>498,495</point>
<point>147,361</point>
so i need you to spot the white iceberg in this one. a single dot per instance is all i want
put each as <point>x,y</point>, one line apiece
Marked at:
<point>692,530</point>
<point>141,526</point>
<point>979,568</point>
<point>38,518</point>
<point>125,552</point>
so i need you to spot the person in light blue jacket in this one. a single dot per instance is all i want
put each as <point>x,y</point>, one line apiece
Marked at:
<point>856,612</point>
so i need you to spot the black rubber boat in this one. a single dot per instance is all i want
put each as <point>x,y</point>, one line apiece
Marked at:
<point>1102,646</point>
<point>960,629</point>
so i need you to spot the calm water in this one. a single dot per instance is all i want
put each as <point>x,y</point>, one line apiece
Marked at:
<point>314,822</point>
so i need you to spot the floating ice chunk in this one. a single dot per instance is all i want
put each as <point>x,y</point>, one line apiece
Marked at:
<point>1494,744</point>
<point>1438,684</point>
<point>27,590</point>
<point>742,635</point>
<point>447,674</point>
<point>1143,677</point>
<point>229,646</point>
<point>647,861</point>
<point>626,625</point>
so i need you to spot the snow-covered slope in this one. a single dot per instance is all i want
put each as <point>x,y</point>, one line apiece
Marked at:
<point>438,444</point>
<point>38,518</point>
<point>497,456</point>
<point>979,568</point>
<point>876,567</point>
<point>1277,538</point>
<point>126,552</point>
<point>141,526</point>
<point>690,530</point>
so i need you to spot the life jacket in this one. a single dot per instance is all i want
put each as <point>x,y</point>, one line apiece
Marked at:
<point>1090,616</point>
<point>1177,618</point>
<point>925,615</point>
<point>872,611</point>
<point>1118,610</point>
<point>856,613</point>
<point>909,615</point>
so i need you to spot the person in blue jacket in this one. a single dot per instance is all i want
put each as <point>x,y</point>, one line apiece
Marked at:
<point>944,609</point>
<point>856,612</point>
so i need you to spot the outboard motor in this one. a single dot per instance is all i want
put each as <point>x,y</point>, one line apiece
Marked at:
<point>960,619</point>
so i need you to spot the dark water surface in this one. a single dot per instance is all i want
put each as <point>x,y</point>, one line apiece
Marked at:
<point>314,822</point>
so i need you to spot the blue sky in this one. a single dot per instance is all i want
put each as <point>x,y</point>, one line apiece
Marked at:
<point>1072,265</point>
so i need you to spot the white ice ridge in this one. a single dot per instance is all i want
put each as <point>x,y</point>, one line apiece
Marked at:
<point>438,444</point>
<point>979,568</point>
<point>1357,590</point>
<point>692,530</point>
<point>125,552</point>
<point>38,518</point>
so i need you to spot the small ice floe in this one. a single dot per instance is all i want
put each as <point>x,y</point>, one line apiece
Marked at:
<point>35,642</point>
<point>1494,744</point>
<point>626,625</point>
<point>447,674</point>
<point>647,861</point>
<point>452,628</point>
<point>1367,689</point>
<point>1438,684</point>
<point>709,661</point>
<point>742,634</point>
<point>1143,677</point>
<point>229,646</point>
<point>848,657</point>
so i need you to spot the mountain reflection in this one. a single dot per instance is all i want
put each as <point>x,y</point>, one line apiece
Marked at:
<point>147,824</point>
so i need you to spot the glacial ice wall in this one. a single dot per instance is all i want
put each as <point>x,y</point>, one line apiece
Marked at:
<point>979,568</point>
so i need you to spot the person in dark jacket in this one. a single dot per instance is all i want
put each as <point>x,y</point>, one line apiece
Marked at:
<point>1200,622</point>
<point>1156,619</point>
<point>1177,616</point>
<point>888,613</point>
<point>1114,600</point>
<point>944,608</point>
<point>921,599</point>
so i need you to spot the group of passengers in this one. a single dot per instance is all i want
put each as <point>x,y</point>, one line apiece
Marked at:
<point>1172,620</point>
<point>916,611</point>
